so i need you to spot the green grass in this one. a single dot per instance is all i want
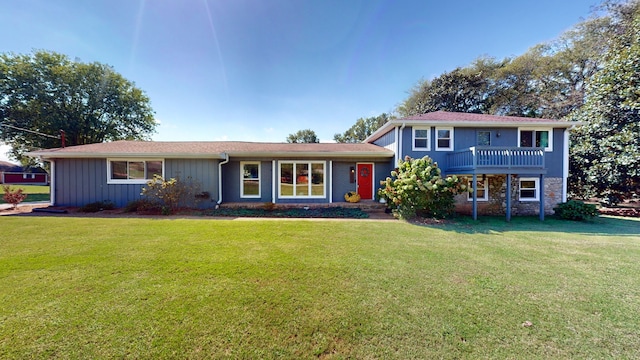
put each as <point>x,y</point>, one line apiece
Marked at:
<point>182,288</point>
<point>34,192</point>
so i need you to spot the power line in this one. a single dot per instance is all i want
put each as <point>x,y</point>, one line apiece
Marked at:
<point>31,131</point>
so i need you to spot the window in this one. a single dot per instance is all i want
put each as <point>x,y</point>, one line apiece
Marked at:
<point>133,171</point>
<point>528,189</point>
<point>302,179</point>
<point>250,179</point>
<point>421,138</point>
<point>536,138</point>
<point>444,139</point>
<point>28,176</point>
<point>482,190</point>
<point>484,138</point>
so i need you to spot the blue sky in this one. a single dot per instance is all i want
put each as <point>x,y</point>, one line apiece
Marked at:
<point>260,70</point>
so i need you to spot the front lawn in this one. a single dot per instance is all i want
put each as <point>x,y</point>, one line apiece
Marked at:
<point>200,288</point>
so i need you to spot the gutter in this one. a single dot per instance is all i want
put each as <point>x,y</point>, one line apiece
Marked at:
<point>399,152</point>
<point>225,161</point>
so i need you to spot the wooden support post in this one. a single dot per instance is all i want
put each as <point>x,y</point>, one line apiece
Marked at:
<point>508,197</point>
<point>474,184</point>
<point>541,195</point>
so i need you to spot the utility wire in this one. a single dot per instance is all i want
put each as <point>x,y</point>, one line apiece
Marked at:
<point>31,131</point>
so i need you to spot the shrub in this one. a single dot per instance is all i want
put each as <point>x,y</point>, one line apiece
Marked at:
<point>416,188</point>
<point>576,210</point>
<point>142,205</point>
<point>172,193</point>
<point>97,206</point>
<point>13,197</point>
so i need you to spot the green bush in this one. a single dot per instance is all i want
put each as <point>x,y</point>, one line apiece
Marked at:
<point>576,210</point>
<point>417,188</point>
<point>97,206</point>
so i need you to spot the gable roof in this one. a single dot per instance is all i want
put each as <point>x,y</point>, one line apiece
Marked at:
<point>212,150</point>
<point>447,118</point>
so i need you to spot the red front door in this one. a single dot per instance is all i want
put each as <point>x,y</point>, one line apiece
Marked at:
<point>365,181</point>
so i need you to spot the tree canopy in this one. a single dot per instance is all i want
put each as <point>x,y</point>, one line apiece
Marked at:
<point>45,92</point>
<point>303,136</point>
<point>605,160</point>
<point>362,129</point>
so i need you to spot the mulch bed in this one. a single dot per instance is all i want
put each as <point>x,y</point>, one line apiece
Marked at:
<point>622,211</point>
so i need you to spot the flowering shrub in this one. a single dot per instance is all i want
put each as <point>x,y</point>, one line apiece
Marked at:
<point>13,197</point>
<point>172,193</point>
<point>417,188</point>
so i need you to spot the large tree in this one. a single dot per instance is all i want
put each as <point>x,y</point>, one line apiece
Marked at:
<point>303,136</point>
<point>461,90</point>
<point>605,156</point>
<point>45,92</point>
<point>362,129</point>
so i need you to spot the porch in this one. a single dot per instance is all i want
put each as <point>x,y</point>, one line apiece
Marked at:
<point>494,159</point>
<point>486,160</point>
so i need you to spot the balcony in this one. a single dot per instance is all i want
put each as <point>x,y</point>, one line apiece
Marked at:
<point>492,159</point>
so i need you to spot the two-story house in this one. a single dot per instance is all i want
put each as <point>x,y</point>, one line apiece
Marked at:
<point>517,165</point>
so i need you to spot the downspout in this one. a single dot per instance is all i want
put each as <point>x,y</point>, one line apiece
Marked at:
<point>399,153</point>
<point>226,160</point>
<point>565,164</point>
<point>52,183</point>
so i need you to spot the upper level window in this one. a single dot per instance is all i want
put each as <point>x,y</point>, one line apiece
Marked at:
<point>121,171</point>
<point>421,138</point>
<point>529,189</point>
<point>250,179</point>
<point>536,138</point>
<point>484,138</point>
<point>444,139</point>
<point>302,179</point>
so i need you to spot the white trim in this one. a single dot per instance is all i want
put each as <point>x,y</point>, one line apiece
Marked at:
<point>111,181</point>
<point>52,184</point>
<point>565,164</point>
<point>242,178</point>
<point>413,138</point>
<point>536,129</point>
<point>486,190</point>
<point>309,180</point>
<point>373,176</point>
<point>537,189</point>
<point>448,148</point>
<point>274,181</point>
<point>330,181</point>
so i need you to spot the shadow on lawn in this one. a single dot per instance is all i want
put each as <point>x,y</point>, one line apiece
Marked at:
<point>603,225</point>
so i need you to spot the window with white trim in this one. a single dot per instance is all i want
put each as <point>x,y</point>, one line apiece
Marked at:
<point>529,189</point>
<point>482,190</point>
<point>302,179</point>
<point>128,171</point>
<point>250,179</point>
<point>28,176</point>
<point>444,139</point>
<point>421,141</point>
<point>542,138</point>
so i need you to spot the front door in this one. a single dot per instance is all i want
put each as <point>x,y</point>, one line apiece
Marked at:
<point>365,181</point>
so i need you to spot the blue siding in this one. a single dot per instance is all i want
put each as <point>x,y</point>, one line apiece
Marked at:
<point>467,137</point>
<point>231,182</point>
<point>387,139</point>
<point>83,181</point>
<point>341,179</point>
